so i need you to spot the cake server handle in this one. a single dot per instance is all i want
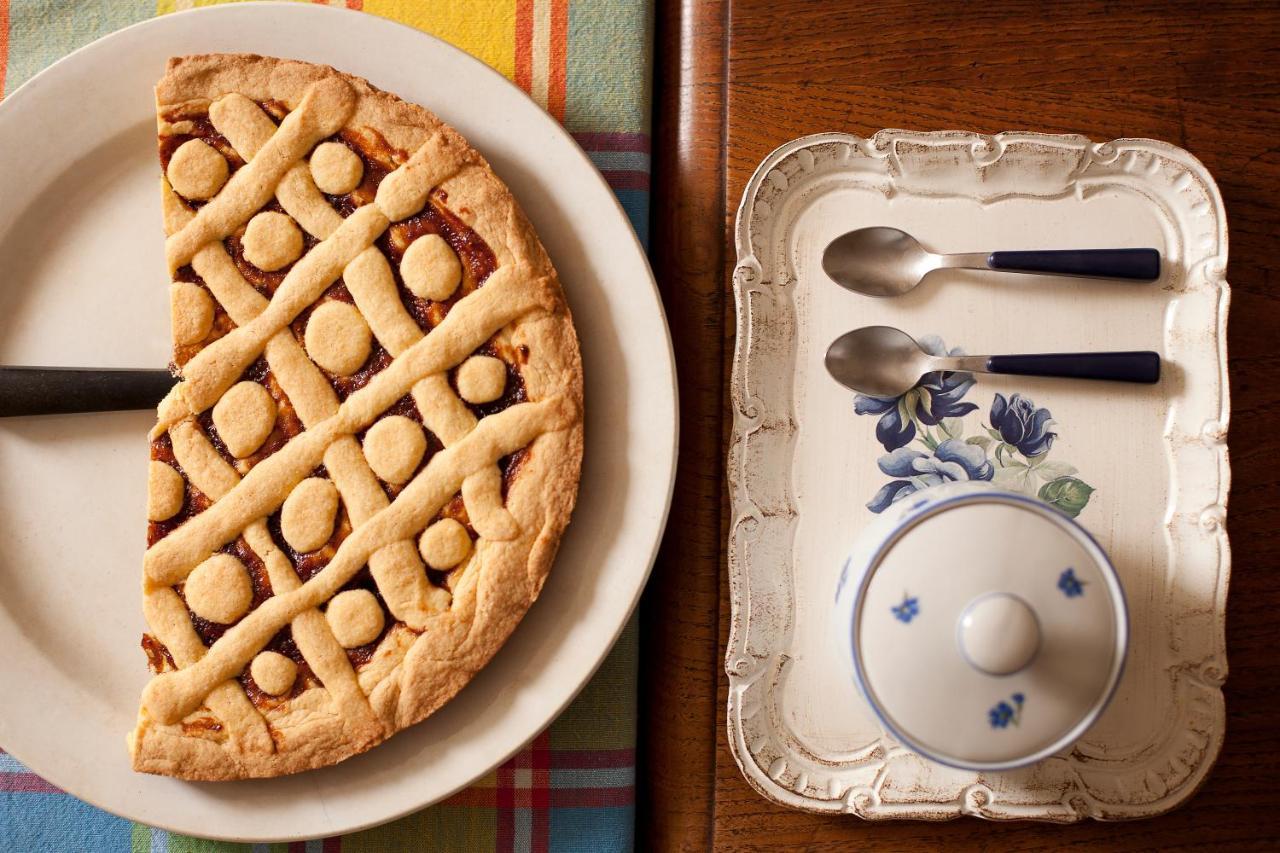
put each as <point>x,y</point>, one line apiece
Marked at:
<point>68,390</point>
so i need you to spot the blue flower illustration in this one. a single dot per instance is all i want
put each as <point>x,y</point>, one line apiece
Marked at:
<point>954,460</point>
<point>1022,425</point>
<point>936,396</point>
<point>907,610</point>
<point>1071,585</point>
<point>1003,713</point>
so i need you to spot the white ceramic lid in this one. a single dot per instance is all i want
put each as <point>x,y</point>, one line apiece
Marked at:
<point>989,631</point>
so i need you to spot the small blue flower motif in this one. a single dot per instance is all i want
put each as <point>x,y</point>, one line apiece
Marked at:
<point>1022,425</point>
<point>952,461</point>
<point>1004,714</point>
<point>936,397</point>
<point>1070,585</point>
<point>908,609</point>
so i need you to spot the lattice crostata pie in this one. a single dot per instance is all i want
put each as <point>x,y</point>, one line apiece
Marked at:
<point>359,484</point>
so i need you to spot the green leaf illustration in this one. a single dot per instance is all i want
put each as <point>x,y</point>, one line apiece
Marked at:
<point>953,427</point>
<point>1015,480</point>
<point>980,440</point>
<point>1069,494</point>
<point>1054,470</point>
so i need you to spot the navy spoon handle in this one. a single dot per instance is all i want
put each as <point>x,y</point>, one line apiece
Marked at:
<point>1132,264</point>
<point>68,390</point>
<point>1115,366</point>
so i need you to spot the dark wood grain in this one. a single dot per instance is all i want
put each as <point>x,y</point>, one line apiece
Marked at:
<point>680,664</point>
<point>1202,76</point>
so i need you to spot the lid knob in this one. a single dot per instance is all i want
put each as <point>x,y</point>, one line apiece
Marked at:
<point>999,633</point>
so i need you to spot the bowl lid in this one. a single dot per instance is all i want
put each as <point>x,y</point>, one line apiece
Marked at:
<point>989,631</point>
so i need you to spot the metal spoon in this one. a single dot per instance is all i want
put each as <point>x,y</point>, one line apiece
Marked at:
<point>890,262</point>
<point>886,362</point>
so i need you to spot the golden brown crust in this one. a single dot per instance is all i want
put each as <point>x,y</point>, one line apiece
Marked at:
<point>198,721</point>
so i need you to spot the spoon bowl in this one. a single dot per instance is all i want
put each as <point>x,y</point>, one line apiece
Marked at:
<point>877,261</point>
<point>886,362</point>
<point>878,360</point>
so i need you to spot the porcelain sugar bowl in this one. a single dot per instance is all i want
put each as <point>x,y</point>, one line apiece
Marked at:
<point>986,629</point>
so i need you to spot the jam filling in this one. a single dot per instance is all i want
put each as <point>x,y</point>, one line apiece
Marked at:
<point>263,281</point>
<point>308,565</point>
<point>512,393</point>
<point>287,423</point>
<point>222,323</point>
<point>202,727</point>
<point>201,128</point>
<point>158,657</point>
<point>281,643</point>
<point>361,655</point>
<point>478,263</point>
<point>211,632</point>
<point>194,501</point>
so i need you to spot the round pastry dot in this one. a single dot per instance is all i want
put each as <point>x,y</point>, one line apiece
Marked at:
<point>271,240</point>
<point>196,170</point>
<point>394,447</point>
<point>244,417</point>
<point>355,618</point>
<point>430,269</point>
<point>165,491</point>
<point>338,338</point>
<point>219,589</point>
<point>306,519</point>
<point>273,672</point>
<point>445,544</point>
<point>190,312</point>
<point>482,379</point>
<point>335,168</point>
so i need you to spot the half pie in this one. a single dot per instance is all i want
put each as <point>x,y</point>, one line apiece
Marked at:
<point>359,483</point>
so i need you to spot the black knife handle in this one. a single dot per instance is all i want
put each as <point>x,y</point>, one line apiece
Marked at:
<point>1133,264</point>
<point>66,390</point>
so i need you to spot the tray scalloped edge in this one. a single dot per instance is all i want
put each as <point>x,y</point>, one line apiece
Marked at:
<point>884,781</point>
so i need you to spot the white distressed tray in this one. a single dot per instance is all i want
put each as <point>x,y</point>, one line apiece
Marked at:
<point>1149,464</point>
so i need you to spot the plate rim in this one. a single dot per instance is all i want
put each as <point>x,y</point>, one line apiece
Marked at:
<point>34,84</point>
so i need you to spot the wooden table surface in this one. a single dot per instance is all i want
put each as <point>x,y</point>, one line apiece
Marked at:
<point>737,78</point>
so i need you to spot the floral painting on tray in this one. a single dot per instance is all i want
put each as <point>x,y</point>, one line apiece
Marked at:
<point>930,438</point>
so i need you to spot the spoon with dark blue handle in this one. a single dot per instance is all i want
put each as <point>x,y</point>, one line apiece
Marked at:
<point>1134,264</point>
<point>886,362</point>
<point>69,390</point>
<point>884,261</point>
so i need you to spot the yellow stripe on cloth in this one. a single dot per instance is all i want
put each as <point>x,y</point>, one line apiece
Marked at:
<point>487,31</point>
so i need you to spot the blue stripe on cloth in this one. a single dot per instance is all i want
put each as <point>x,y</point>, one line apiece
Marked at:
<point>9,764</point>
<point>39,822</point>
<point>636,204</point>
<point>592,830</point>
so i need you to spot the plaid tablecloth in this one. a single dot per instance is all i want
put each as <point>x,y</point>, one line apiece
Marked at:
<point>588,63</point>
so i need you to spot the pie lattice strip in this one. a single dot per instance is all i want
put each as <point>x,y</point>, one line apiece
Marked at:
<point>211,474</point>
<point>397,570</point>
<point>169,622</point>
<point>323,111</point>
<point>369,279</point>
<point>401,193</point>
<point>171,695</point>
<point>505,297</point>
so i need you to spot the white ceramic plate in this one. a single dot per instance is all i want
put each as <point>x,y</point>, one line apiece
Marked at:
<point>84,284</point>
